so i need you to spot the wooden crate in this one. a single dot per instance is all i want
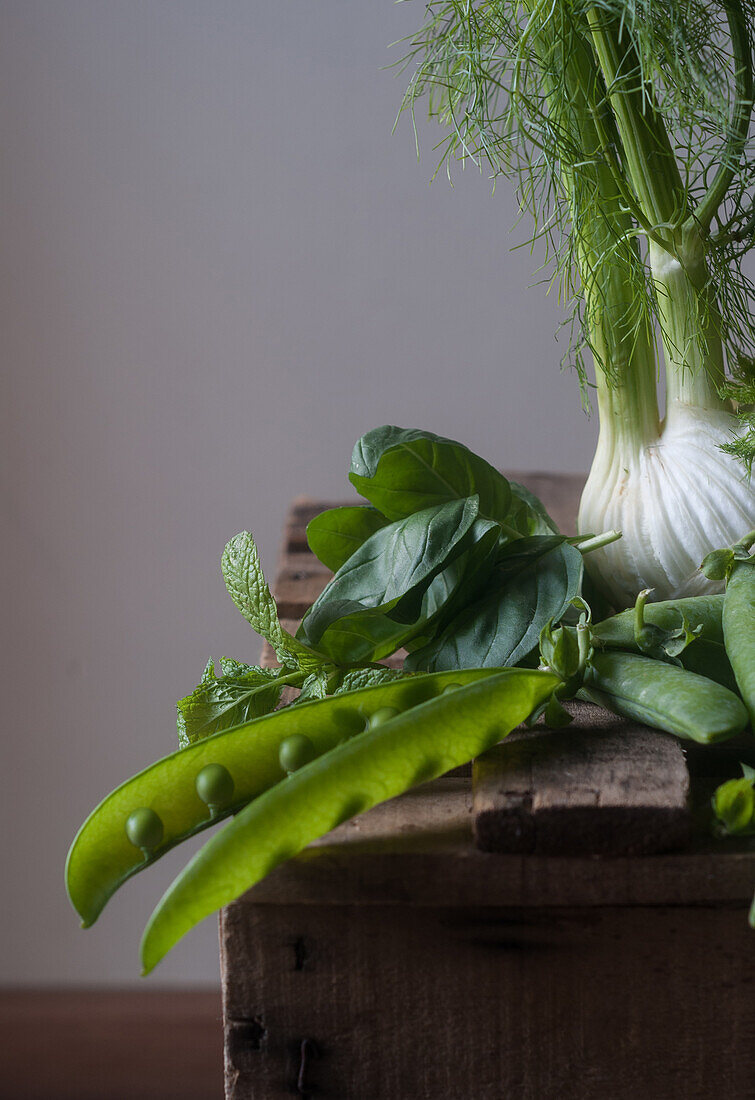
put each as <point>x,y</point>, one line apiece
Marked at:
<point>395,959</point>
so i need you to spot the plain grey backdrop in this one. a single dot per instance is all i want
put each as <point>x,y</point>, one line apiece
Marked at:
<point>219,268</point>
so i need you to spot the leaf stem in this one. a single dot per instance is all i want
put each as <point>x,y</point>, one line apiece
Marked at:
<point>596,541</point>
<point>686,302</point>
<point>739,126</point>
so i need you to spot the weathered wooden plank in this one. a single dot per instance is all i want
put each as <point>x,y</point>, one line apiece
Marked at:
<point>603,785</point>
<point>296,589</point>
<point>417,850</point>
<point>488,1003</point>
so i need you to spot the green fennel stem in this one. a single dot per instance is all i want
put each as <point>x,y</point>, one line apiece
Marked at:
<point>627,126</point>
<point>618,331</point>
<point>688,313</point>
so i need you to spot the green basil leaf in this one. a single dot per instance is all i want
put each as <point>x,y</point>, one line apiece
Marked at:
<point>337,533</point>
<point>218,703</point>
<point>348,622</point>
<point>503,627</point>
<point>457,585</point>
<point>405,470</point>
<point>527,513</point>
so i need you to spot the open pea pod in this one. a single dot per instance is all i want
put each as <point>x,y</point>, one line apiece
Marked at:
<point>376,765</point>
<point>102,856</point>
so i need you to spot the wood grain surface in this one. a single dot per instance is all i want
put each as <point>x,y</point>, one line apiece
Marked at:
<point>401,1003</point>
<point>602,785</point>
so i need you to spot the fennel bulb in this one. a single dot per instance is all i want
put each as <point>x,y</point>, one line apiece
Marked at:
<point>674,498</point>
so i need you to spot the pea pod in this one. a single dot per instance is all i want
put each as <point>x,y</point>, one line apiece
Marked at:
<point>706,655</point>
<point>376,765</point>
<point>665,696</point>
<point>739,628</point>
<point>618,631</point>
<point>103,856</point>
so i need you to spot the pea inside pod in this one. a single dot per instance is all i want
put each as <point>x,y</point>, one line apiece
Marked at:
<point>295,752</point>
<point>102,856</point>
<point>215,787</point>
<point>144,829</point>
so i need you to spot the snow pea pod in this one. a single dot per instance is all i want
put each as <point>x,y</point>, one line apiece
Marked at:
<point>705,655</point>
<point>739,628</point>
<point>618,631</point>
<point>376,765</point>
<point>105,853</point>
<point>665,696</point>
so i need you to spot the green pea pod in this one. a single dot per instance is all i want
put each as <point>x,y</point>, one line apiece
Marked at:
<point>618,631</point>
<point>102,856</point>
<point>665,696</point>
<point>739,628</point>
<point>376,765</point>
<point>711,660</point>
<point>706,655</point>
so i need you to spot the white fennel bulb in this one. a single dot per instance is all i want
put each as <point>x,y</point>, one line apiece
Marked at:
<point>674,498</point>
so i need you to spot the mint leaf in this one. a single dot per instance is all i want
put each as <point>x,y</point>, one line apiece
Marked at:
<point>314,687</point>
<point>218,703</point>
<point>357,678</point>
<point>231,667</point>
<point>249,590</point>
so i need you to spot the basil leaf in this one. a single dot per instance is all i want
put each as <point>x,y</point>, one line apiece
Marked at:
<point>458,584</point>
<point>532,585</point>
<point>349,621</point>
<point>337,533</point>
<point>405,470</point>
<point>527,513</point>
<point>221,702</point>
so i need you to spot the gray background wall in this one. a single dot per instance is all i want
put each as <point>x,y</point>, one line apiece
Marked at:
<point>218,269</point>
